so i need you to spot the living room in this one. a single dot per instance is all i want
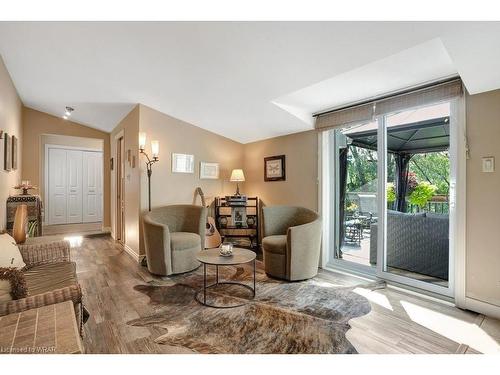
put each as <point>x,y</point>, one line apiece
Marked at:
<point>211,188</point>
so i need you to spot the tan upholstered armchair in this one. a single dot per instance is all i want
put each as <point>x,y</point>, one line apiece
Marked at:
<point>172,237</point>
<point>50,277</point>
<point>291,243</point>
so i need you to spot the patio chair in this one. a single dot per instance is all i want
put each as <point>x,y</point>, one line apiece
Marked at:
<point>368,209</point>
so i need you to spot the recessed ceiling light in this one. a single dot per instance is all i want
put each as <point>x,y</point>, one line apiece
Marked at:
<point>65,117</point>
<point>68,111</point>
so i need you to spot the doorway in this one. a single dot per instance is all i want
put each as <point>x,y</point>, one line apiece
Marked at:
<point>72,183</point>
<point>391,194</point>
<point>120,191</point>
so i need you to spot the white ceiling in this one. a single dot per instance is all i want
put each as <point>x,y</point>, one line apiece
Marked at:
<point>244,80</point>
<point>427,61</point>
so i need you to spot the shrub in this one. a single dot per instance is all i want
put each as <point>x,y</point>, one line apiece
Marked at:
<point>422,193</point>
<point>351,207</point>
<point>391,192</point>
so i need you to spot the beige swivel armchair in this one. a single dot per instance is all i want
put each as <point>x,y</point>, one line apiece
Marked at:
<point>291,243</point>
<point>172,237</point>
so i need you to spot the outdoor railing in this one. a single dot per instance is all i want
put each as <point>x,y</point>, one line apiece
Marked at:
<point>438,204</point>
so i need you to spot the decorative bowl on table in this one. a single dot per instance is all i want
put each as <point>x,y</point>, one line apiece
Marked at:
<point>226,250</point>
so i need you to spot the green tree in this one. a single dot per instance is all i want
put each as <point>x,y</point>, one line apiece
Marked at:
<point>433,167</point>
<point>361,169</point>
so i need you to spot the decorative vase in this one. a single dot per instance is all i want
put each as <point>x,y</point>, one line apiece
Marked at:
<point>226,249</point>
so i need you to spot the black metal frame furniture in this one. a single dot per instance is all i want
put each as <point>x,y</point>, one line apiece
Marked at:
<point>353,231</point>
<point>223,213</point>
<point>212,257</point>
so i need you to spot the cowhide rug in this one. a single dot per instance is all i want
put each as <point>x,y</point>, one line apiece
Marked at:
<point>285,317</point>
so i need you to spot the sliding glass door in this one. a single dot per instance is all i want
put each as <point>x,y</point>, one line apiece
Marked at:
<point>415,226</point>
<point>392,187</point>
<point>356,192</point>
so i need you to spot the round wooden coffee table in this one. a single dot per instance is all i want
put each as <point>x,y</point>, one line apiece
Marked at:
<point>212,257</point>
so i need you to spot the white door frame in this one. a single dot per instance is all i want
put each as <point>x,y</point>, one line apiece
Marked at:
<point>114,198</point>
<point>457,260</point>
<point>46,219</point>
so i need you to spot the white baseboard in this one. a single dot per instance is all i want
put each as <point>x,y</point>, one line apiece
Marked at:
<point>132,253</point>
<point>482,307</point>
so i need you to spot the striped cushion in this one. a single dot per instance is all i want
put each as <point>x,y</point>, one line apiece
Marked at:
<point>48,277</point>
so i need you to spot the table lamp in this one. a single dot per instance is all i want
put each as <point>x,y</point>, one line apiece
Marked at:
<point>237,176</point>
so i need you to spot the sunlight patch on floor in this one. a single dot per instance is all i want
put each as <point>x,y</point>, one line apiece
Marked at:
<point>452,328</point>
<point>74,241</point>
<point>325,284</point>
<point>375,297</point>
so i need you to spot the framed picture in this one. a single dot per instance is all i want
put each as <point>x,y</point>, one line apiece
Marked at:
<point>2,147</point>
<point>209,171</point>
<point>274,168</point>
<point>7,152</point>
<point>182,163</point>
<point>14,152</point>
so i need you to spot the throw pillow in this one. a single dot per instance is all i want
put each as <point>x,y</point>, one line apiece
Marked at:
<point>10,256</point>
<point>12,284</point>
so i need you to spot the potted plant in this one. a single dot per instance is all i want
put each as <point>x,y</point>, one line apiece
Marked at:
<point>422,193</point>
<point>351,208</point>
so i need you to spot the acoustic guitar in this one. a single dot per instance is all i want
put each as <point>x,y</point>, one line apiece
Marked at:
<point>212,235</point>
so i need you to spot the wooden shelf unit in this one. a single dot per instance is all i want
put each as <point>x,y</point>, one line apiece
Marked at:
<point>225,226</point>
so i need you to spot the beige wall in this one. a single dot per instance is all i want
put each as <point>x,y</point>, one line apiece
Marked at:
<point>129,129</point>
<point>483,198</point>
<point>181,137</point>
<point>301,185</point>
<point>11,123</point>
<point>37,124</point>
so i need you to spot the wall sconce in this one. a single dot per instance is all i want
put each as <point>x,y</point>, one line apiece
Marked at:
<point>155,151</point>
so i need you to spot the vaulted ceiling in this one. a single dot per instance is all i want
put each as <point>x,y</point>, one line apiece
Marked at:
<point>244,80</point>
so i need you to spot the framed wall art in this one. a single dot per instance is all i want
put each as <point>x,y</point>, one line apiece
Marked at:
<point>7,152</point>
<point>209,171</point>
<point>2,147</point>
<point>14,152</point>
<point>182,163</point>
<point>274,168</point>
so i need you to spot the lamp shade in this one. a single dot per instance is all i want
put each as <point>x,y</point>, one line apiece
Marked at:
<point>237,175</point>
<point>155,148</point>
<point>142,140</point>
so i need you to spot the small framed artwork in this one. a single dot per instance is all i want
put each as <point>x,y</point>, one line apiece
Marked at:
<point>274,168</point>
<point>2,146</point>
<point>182,163</point>
<point>209,171</point>
<point>14,152</point>
<point>7,152</point>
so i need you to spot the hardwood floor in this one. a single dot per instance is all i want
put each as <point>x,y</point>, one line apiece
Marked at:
<point>398,322</point>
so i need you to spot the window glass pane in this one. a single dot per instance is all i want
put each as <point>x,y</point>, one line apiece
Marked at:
<point>417,191</point>
<point>357,186</point>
